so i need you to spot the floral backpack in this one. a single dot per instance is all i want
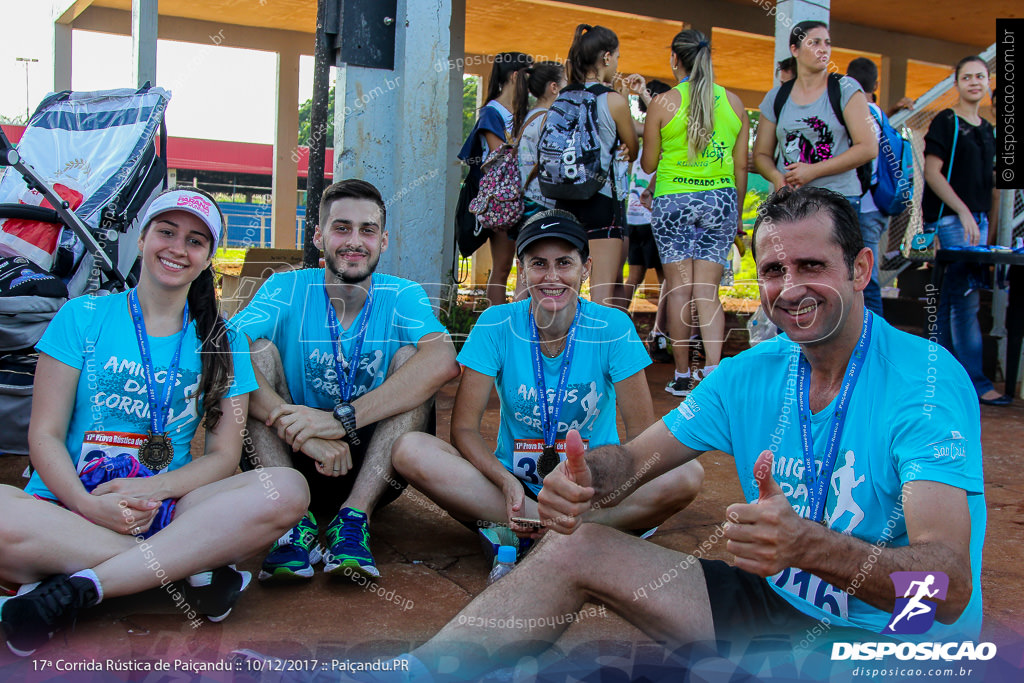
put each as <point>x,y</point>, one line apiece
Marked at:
<point>498,204</point>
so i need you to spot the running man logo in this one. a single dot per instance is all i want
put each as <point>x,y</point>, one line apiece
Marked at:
<point>917,594</point>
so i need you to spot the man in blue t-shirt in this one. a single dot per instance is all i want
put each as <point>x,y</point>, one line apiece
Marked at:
<point>347,360</point>
<point>887,421</point>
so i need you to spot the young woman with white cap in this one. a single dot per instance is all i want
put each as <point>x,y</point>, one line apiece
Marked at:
<point>117,505</point>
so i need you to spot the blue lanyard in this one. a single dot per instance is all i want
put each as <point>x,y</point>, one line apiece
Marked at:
<point>158,408</point>
<point>347,380</point>
<point>817,486</point>
<point>549,413</point>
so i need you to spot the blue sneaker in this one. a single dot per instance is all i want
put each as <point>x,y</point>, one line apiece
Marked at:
<point>292,556</point>
<point>493,537</point>
<point>349,539</point>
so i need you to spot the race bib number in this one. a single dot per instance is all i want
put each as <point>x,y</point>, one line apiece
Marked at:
<point>814,590</point>
<point>96,445</point>
<point>526,453</point>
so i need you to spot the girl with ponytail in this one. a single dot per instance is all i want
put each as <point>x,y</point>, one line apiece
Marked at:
<point>593,63</point>
<point>122,384</point>
<point>545,80</point>
<point>501,118</point>
<point>698,130</point>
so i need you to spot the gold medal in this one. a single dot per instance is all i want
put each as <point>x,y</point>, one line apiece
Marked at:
<point>156,452</point>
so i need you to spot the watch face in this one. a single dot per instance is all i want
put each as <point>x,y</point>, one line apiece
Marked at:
<point>343,411</point>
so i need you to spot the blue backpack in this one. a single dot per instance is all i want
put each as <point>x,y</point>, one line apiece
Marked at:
<point>894,191</point>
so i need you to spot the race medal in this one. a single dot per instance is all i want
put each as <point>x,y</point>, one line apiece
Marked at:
<point>547,462</point>
<point>156,452</point>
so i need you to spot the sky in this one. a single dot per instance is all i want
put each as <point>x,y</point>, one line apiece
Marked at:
<point>218,93</point>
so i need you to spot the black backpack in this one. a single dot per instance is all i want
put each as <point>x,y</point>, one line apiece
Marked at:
<point>835,97</point>
<point>569,150</point>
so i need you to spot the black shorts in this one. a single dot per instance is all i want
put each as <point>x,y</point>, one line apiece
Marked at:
<point>744,608</point>
<point>327,494</point>
<point>601,216</point>
<point>643,250</point>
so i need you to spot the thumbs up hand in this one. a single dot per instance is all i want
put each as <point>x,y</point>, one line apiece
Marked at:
<point>766,536</point>
<point>766,484</point>
<point>575,464</point>
<point>567,490</point>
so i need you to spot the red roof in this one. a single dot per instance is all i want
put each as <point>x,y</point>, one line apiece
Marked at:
<point>217,155</point>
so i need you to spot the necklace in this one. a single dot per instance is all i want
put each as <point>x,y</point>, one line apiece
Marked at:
<point>546,345</point>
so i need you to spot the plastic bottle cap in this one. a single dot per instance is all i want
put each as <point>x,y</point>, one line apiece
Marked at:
<point>507,554</point>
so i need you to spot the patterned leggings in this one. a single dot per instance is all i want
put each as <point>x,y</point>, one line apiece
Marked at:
<point>695,225</point>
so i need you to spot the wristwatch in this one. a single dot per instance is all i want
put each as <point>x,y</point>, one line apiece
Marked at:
<point>346,415</point>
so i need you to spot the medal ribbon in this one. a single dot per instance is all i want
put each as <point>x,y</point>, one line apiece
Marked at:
<point>549,413</point>
<point>817,486</point>
<point>347,380</point>
<point>159,408</point>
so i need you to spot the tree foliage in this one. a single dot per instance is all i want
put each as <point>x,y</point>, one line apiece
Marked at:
<point>305,113</point>
<point>469,86</point>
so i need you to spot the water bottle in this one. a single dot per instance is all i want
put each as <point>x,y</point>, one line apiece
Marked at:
<point>506,561</point>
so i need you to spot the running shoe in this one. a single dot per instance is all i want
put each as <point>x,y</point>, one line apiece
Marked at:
<point>679,386</point>
<point>658,349</point>
<point>493,537</point>
<point>31,618</point>
<point>349,538</point>
<point>700,374</point>
<point>214,593</point>
<point>496,535</point>
<point>292,556</point>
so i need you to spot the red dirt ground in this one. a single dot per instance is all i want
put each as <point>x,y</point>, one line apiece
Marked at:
<point>434,562</point>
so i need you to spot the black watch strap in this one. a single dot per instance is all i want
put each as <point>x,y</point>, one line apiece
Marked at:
<point>346,414</point>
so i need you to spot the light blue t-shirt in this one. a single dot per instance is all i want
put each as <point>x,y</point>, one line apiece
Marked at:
<point>95,334</point>
<point>607,351</point>
<point>913,414</point>
<point>290,310</point>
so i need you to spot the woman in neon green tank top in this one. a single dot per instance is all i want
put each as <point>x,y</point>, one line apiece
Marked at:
<point>696,137</point>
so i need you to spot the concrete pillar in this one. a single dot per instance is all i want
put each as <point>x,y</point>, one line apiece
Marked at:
<point>893,77</point>
<point>453,171</point>
<point>394,129</point>
<point>144,33</point>
<point>286,167</point>
<point>61,57</point>
<point>790,13</point>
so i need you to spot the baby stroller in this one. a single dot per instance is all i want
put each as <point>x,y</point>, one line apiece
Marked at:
<point>71,195</point>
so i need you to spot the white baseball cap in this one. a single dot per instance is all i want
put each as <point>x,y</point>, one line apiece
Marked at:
<point>196,204</point>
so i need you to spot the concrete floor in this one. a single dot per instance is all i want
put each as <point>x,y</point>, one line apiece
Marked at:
<point>434,566</point>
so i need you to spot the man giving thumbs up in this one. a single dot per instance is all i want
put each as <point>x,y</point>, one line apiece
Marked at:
<point>858,447</point>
